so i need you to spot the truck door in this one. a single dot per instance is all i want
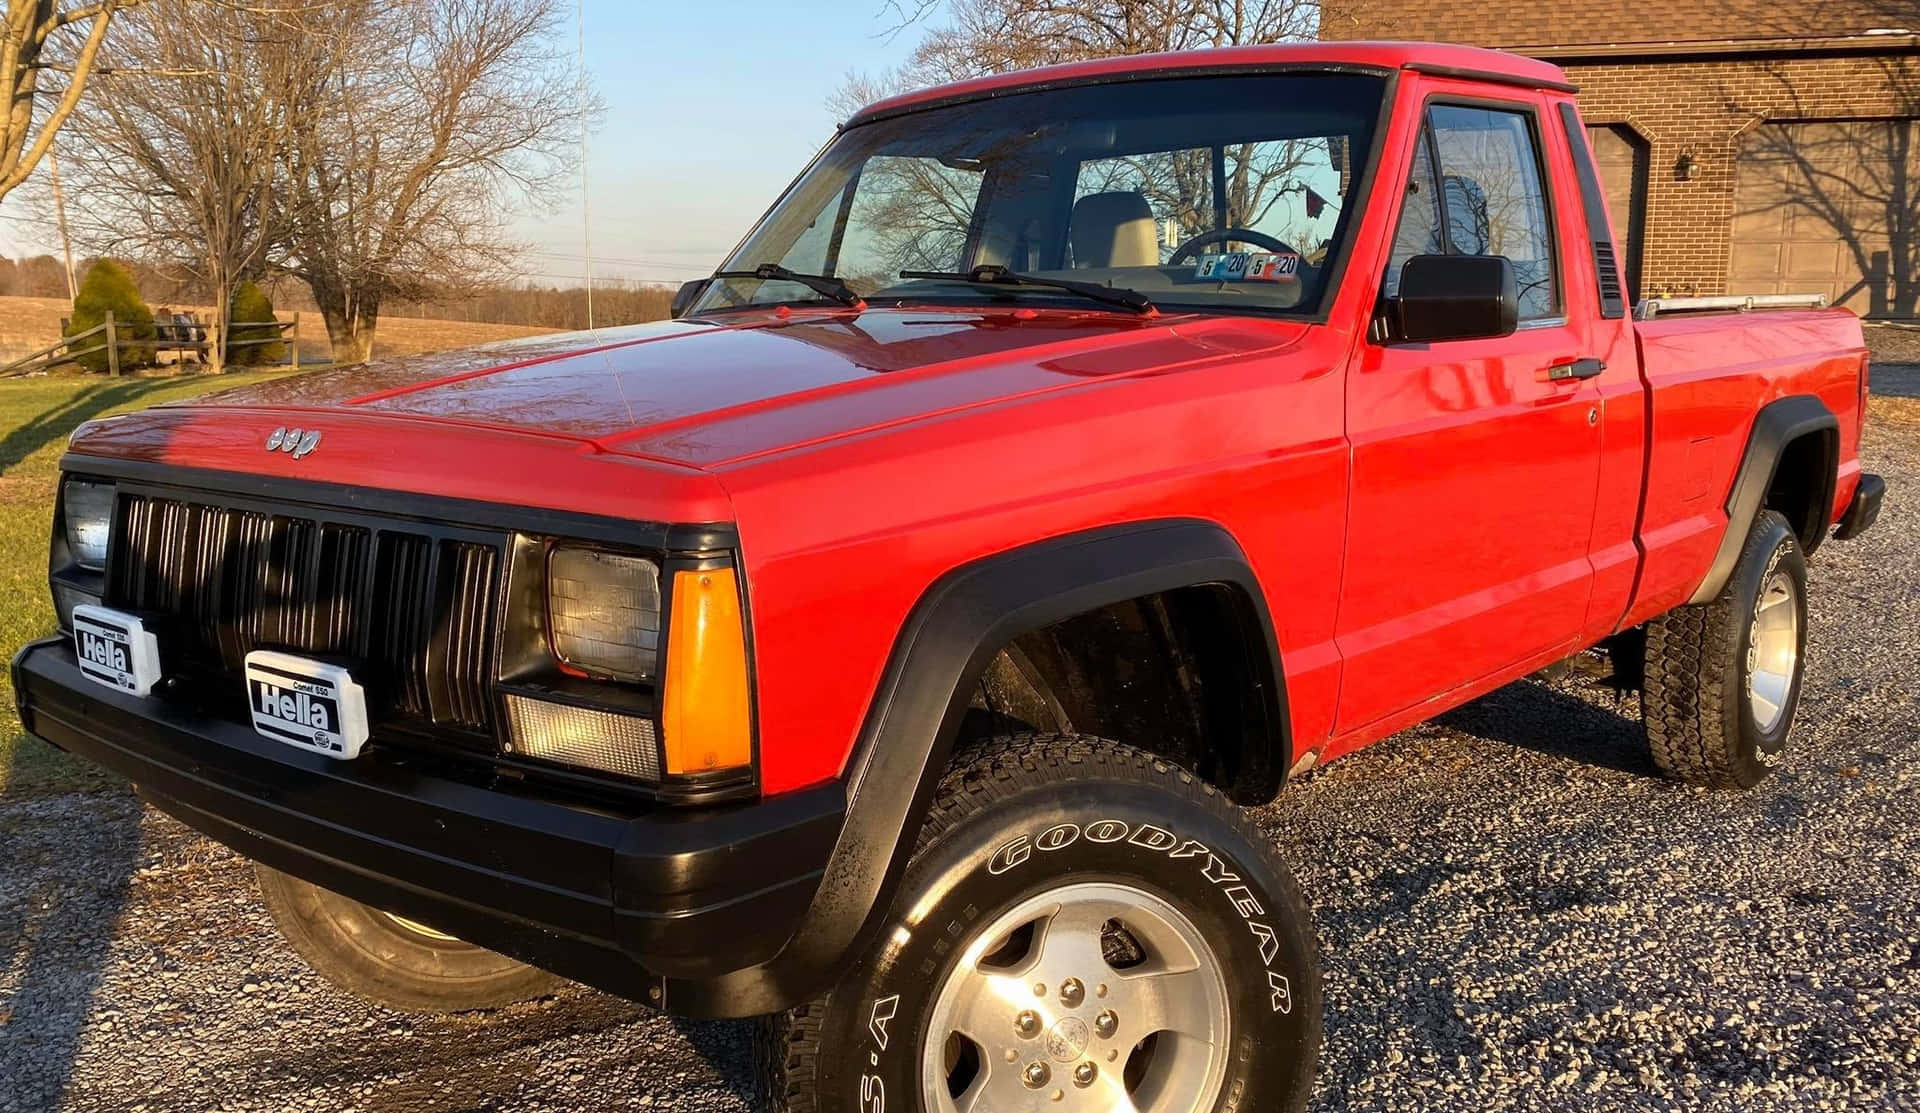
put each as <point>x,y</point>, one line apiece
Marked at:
<point>1475,462</point>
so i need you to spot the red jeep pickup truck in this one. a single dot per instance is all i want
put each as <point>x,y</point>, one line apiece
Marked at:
<point>887,643</point>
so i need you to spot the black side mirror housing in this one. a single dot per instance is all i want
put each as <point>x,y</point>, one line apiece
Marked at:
<point>1455,297</point>
<point>686,295</point>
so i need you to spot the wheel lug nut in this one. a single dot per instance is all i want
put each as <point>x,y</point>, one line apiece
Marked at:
<point>1036,1075</point>
<point>1072,993</point>
<point>1106,1024</point>
<point>1027,1024</point>
<point>1084,1074</point>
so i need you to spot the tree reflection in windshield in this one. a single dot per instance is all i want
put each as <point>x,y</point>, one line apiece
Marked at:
<point>1098,184</point>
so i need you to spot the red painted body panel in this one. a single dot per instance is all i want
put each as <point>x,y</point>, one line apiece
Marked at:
<point>1427,522</point>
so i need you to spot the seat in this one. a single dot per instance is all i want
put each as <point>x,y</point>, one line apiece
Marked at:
<point>1114,230</point>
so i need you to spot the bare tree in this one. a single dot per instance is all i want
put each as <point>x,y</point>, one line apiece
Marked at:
<point>31,47</point>
<point>410,127</point>
<point>177,147</point>
<point>972,38</point>
<point>969,38</point>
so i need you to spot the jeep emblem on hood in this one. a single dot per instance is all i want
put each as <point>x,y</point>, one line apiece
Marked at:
<point>284,439</point>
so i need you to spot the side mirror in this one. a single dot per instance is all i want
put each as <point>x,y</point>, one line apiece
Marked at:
<point>686,295</point>
<point>1456,297</point>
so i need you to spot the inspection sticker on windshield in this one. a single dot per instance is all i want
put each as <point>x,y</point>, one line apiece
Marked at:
<point>115,649</point>
<point>1230,267</point>
<point>306,703</point>
<point>1281,266</point>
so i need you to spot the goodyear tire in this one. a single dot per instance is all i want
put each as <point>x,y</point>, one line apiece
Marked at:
<point>1080,919</point>
<point>406,966</point>
<point>1723,677</point>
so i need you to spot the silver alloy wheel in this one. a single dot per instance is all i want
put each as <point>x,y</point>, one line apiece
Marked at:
<point>1035,1016</point>
<point>1773,650</point>
<point>418,928</point>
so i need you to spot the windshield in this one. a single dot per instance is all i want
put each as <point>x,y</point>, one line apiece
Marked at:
<point>1224,194</point>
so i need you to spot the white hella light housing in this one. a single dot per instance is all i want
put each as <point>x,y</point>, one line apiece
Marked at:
<point>88,511</point>
<point>603,612</point>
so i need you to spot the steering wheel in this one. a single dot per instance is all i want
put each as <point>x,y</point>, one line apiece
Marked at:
<point>1186,251</point>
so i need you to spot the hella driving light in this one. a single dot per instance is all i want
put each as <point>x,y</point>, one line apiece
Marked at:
<point>583,736</point>
<point>88,509</point>
<point>603,612</point>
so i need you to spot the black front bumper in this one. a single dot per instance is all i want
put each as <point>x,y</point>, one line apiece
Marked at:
<point>1864,510</point>
<point>665,906</point>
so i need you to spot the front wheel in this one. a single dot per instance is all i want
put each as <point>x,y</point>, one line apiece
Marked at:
<point>1084,927</point>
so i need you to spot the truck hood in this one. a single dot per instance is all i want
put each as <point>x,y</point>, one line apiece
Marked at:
<point>705,394</point>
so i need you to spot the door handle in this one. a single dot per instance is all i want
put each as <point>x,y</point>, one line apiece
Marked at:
<point>1575,370</point>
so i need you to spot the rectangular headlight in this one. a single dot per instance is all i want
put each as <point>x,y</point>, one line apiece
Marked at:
<point>603,612</point>
<point>88,510</point>
<point>583,736</point>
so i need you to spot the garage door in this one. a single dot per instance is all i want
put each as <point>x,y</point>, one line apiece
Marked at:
<point>1813,206</point>
<point>1620,155</point>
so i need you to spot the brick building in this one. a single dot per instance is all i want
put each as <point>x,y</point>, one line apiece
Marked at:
<point>1747,147</point>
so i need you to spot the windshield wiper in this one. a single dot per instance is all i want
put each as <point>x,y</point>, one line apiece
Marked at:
<point>818,283</point>
<point>994,275</point>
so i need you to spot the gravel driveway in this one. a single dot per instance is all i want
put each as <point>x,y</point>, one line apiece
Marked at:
<point>1516,914</point>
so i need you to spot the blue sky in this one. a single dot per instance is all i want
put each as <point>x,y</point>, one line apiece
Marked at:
<point>712,107</point>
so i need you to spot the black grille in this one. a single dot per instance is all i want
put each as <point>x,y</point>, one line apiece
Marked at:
<point>413,614</point>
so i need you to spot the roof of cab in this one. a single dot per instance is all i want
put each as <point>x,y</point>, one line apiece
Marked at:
<point>1441,58</point>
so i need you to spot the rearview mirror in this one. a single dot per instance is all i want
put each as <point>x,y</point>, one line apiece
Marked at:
<point>1456,297</point>
<point>686,295</point>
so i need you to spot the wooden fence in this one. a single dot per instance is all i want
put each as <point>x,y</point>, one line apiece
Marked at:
<point>69,349</point>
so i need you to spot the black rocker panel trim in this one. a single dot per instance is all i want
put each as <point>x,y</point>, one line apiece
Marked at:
<point>937,661</point>
<point>1779,424</point>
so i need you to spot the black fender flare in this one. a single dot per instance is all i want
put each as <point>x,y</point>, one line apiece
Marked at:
<point>937,661</point>
<point>1778,424</point>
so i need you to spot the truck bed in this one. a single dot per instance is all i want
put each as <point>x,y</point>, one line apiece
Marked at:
<point>1707,376</point>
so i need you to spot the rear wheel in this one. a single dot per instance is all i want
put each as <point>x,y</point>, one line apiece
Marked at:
<point>389,959</point>
<point>1723,678</point>
<point>1083,927</point>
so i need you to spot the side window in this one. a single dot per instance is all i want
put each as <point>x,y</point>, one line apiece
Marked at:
<point>1494,199</point>
<point>1484,198</point>
<point>1419,228</point>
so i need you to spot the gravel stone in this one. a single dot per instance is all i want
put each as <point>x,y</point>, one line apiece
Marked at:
<point>1516,914</point>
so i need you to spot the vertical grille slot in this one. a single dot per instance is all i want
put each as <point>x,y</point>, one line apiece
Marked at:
<point>404,599</point>
<point>463,654</point>
<point>414,616</point>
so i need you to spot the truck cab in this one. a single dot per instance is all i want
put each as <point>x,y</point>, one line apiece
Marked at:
<point>886,644</point>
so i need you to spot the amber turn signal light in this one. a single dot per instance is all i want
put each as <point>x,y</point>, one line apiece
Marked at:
<point>706,715</point>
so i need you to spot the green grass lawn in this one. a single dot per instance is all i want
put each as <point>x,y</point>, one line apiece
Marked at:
<point>36,416</point>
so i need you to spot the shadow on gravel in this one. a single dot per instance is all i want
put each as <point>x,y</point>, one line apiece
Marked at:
<point>727,1047</point>
<point>66,863</point>
<point>1535,717</point>
<point>1896,380</point>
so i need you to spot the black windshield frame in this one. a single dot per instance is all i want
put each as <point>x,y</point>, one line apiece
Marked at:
<point>1372,91</point>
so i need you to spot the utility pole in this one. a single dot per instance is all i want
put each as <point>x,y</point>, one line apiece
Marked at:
<point>60,215</point>
<point>586,216</point>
